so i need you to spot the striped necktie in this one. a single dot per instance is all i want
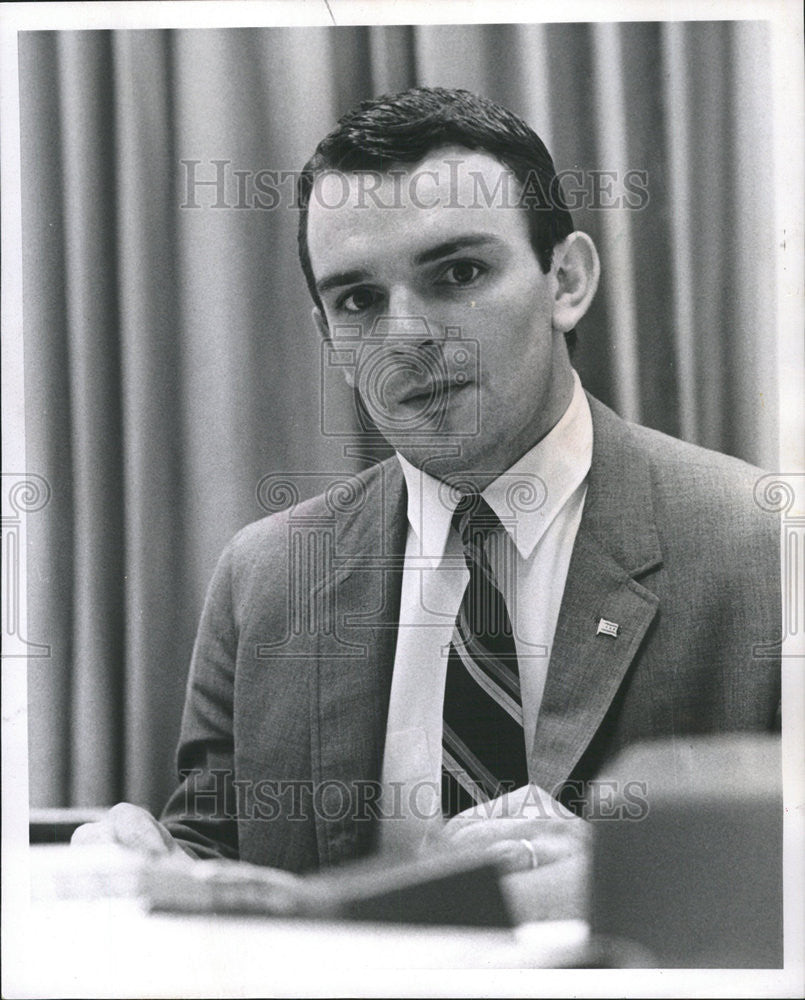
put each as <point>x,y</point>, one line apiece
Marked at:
<point>483,746</point>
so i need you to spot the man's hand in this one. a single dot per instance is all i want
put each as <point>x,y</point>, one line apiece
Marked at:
<point>129,826</point>
<point>544,848</point>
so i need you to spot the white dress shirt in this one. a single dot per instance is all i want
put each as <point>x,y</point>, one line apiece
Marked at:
<point>539,501</point>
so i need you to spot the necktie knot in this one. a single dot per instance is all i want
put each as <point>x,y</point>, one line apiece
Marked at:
<point>474,519</point>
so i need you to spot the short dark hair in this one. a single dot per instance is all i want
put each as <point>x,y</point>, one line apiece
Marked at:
<point>405,127</point>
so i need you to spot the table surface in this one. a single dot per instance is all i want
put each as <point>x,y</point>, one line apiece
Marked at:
<point>88,934</point>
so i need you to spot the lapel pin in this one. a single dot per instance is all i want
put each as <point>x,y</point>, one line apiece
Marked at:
<point>607,628</point>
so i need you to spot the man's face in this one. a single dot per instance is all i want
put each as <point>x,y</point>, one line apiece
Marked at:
<point>459,363</point>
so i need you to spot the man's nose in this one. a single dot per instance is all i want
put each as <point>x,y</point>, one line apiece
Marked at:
<point>408,320</point>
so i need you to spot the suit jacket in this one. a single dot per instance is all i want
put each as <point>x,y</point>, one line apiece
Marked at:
<point>284,723</point>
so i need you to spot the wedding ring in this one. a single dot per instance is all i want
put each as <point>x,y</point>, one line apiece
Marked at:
<point>532,852</point>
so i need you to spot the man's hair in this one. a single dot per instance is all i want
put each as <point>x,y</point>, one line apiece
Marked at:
<point>379,134</point>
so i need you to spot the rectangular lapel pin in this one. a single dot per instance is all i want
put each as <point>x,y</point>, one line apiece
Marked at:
<point>607,628</point>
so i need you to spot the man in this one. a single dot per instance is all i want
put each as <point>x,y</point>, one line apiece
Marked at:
<point>529,585</point>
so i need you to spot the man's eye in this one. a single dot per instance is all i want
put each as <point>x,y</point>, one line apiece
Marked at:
<point>358,300</point>
<point>461,272</point>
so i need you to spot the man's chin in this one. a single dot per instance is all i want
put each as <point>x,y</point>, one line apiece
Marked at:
<point>451,463</point>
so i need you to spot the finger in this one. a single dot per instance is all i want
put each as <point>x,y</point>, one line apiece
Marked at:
<point>480,832</point>
<point>505,855</point>
<point>512,855</point>
<point>550,849</point>
<point>527,802</point>
<point>536,803</point>
<point>558,891</point>
<point>91,833</point>
<point>135,828</point>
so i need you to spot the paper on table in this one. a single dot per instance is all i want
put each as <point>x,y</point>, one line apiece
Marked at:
<point>92,871</point>
<point>224,886</point>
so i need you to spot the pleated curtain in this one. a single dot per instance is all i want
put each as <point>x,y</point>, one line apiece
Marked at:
<point>170,358</point>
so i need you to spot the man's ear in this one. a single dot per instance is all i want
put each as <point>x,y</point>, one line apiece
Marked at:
<point>576,270</point>
<point>324,330</point>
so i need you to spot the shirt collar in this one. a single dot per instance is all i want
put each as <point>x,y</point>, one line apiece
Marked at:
<point>527,497</point>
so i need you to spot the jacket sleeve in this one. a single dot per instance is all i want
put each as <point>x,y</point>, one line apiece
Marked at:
<point>201,814</point>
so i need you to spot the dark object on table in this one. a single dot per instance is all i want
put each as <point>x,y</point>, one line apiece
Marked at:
<point>444,890</point>
<point>697,880</point>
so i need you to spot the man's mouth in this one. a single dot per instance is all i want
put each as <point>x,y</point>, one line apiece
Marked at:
<point>432,392</point>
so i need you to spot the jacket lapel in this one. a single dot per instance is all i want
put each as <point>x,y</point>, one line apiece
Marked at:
<point>351,681</point>
<point>616,543</point>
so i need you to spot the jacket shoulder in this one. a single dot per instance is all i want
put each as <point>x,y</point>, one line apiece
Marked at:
<point>258,545</point>
<point>710,504</point>
<point>693,475</point>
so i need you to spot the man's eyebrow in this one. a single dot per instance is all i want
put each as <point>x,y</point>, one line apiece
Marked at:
<point>340,279</point>
<point>454,245</point>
